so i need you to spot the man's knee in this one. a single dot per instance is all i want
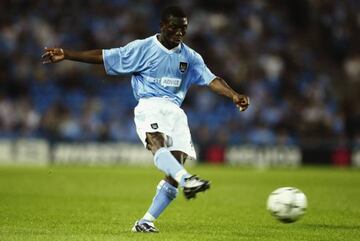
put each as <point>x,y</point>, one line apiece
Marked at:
<point>155,141</point>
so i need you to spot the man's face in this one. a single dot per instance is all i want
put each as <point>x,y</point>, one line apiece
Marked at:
<point>174,29</point>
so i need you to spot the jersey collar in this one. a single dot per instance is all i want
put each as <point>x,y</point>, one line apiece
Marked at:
<point>169,51</point>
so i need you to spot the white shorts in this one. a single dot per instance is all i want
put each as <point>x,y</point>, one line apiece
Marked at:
<point>157,114</point>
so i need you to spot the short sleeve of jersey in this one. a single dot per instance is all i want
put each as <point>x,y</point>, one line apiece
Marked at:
<point>127,59</point>
<point>202,74</point>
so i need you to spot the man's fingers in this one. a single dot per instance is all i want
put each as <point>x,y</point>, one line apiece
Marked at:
<point>241,108</point>
<point>49,51</point>
<point>47,60</point>
<point>49,54</point>
<point>46,55</point>
<point>245,101</point>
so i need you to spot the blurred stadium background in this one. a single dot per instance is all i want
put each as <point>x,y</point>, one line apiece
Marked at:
<point>298,60</point>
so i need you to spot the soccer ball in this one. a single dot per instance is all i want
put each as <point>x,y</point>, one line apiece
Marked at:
<point>287,204</point>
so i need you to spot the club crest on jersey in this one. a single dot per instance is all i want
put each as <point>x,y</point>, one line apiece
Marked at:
<point>154,126</point>
<point>183,67</point>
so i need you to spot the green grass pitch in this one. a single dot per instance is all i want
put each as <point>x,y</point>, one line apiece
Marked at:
<point>98,203</point>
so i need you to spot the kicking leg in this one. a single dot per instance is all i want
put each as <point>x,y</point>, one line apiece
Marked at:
<point>168,162</point>
<point>164,159</point>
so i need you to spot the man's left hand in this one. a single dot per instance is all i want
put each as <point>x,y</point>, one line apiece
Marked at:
<point>242,102</point>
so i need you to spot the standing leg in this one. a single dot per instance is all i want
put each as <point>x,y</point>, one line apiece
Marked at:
<point>166,192</point>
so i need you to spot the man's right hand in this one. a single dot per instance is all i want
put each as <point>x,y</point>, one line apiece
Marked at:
<point>53,55</point>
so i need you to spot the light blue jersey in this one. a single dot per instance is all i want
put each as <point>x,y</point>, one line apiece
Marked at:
<point>157,71</point>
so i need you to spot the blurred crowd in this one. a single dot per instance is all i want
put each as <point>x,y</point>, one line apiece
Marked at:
<point>298,60</point>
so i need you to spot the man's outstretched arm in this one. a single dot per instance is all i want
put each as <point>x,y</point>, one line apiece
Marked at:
<point>54,55</point>
<point>219,86</point>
